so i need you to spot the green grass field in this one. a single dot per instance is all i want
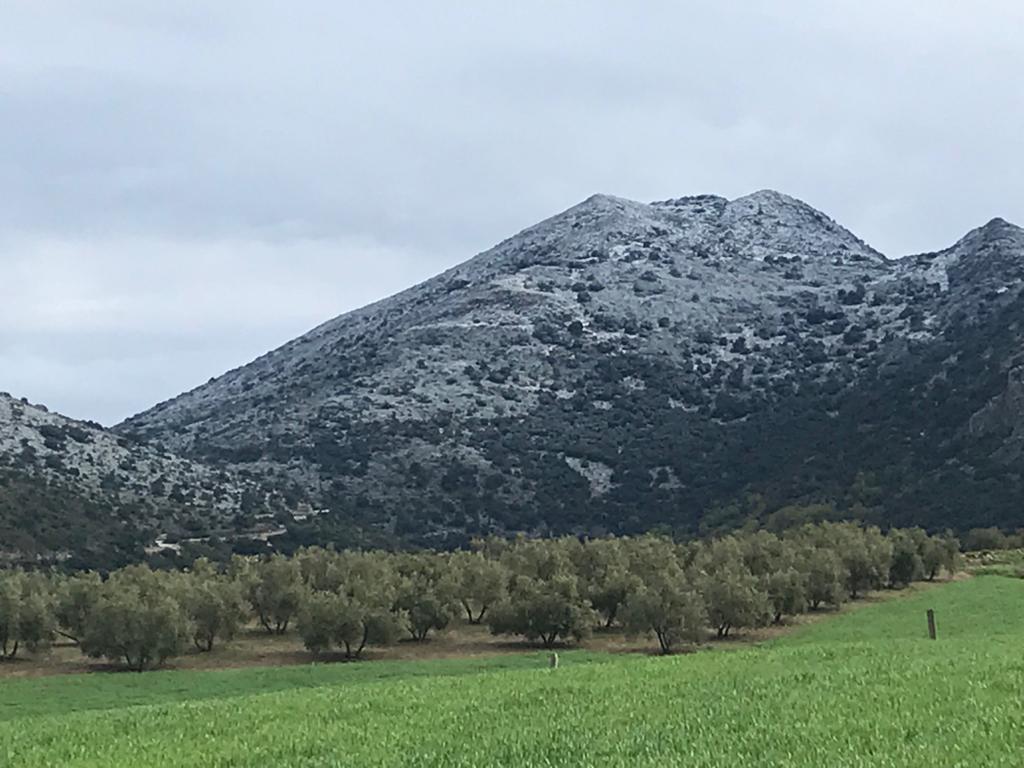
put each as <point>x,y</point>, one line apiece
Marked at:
<point>866,688</point>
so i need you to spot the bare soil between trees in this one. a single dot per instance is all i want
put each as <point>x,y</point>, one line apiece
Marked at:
<point>254,647</point>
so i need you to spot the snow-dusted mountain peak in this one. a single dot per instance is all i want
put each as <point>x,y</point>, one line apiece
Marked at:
<point>618,365</point>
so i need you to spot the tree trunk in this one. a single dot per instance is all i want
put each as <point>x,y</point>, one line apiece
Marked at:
<point>611,617</point>
<point>362,643</point>
<point>469,613</point>
<point>666,648</point>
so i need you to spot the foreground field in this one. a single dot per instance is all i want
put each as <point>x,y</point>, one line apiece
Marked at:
<point>864,688</point>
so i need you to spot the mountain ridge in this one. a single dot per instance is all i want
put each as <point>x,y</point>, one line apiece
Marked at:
<point>694,363</point>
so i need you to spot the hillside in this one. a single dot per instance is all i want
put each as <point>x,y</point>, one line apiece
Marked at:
<point>72,489</point>
<point>689,364</point>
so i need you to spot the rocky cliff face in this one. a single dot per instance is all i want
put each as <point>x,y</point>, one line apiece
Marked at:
<point>622,365</point>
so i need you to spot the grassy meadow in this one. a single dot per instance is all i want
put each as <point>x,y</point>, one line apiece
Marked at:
<point>863,688</point>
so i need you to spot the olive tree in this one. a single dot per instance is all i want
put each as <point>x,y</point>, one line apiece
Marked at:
<point>76,597</point>
<point>734,596</point>
<point>787,592</point>
<point>425,594</point>
<point>866,554</point>
<point>665,603</point>
<point>825,577</point>
<point>544,610</point>
<point>320,569</point>
<point>136,620</point>
<point>867,557</point>
<point>214,604</point>
<point>477,583</point>
<point>906,564</point>
<point>26,613</point>
<point>607,579</point>
<point>734,599</point>
<point>328,620</point>
<point>358,609</point>
<point>940,553</point>
<point>273,588</point>
<point>773,561</point>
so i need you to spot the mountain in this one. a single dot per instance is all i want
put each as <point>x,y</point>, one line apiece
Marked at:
<point>70,489</point>
<point>694,364</point>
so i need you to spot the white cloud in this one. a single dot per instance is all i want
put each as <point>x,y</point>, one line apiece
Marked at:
<point>102,328</point>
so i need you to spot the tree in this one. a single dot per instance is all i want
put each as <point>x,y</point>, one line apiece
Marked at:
<point>764,553</point>
<point>544,610</point>
<point>604,569</point>
<point>773,560</point>
<point>906,564</point>
<point>477,582</point>
<point>867,558</point>
<point>328,619</point>
<point>667,606</point>
<point>318,620</point>
<point>214,604</point>
<point>360,608</point>
<point>865,553</point>
<point>274,589</point>
<point>76,598</point>
<point>321,569</point>
<point>733,595</point>
<point>26,614</point>
<point>981,539</point>
<point>137,620</point>
<point>940,553</point>
<point>424,595</point>
<point>824,576</point>
<point>787,592</point>
<point>734,599</point>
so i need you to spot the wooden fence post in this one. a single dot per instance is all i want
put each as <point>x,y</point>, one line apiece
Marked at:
<point>931,623</point>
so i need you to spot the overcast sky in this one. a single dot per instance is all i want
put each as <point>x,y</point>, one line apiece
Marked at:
<point>186,185</point>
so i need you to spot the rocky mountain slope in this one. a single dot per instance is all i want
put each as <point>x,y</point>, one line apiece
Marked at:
<point>72,487</point>
<point>691,363</point>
